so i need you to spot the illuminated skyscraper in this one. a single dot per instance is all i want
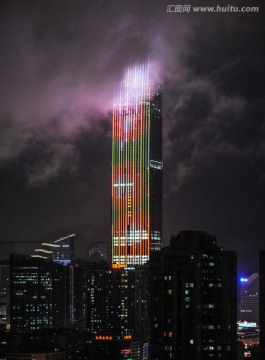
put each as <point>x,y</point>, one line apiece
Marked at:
<point>249,299</point>
<point>64,254</point>
<point>60,251</point>
<point>136,170</point>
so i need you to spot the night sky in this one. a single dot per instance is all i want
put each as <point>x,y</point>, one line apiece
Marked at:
<point>59,64</point>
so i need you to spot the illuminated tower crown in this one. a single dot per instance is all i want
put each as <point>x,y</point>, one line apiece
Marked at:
<point>136,170</point>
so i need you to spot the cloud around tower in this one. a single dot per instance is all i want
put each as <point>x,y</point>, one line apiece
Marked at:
<point>60,63</point>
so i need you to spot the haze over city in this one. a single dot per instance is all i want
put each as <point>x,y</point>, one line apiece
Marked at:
<point>60,63</point>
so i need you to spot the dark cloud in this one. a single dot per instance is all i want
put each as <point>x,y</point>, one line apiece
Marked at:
<point>214,137</point>
<point>71,202</point>
<point>60,62</point>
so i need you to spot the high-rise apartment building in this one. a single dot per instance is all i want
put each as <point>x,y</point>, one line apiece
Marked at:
<point>117,301</point>
<point>39,294</point>
<point>112,305</point>
<point>193,299</point>
<point>4,294</point>
<point>249,298</point>
<point>136,170</point>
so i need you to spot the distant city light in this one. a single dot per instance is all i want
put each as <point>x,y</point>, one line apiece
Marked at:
<point>246,324</point>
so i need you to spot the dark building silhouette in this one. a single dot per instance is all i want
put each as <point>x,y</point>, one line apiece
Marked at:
<point>112,306</point>
<point>193,303</point>
<point>47,344</point>
<point>116,300</point>
<point>61,295</point>
<point>39,295</point>
<point>99,251</point>
<point>58,355</point>
<point>114,348</point>
<point>4,295</point>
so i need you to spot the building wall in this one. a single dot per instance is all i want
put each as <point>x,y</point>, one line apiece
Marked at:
<point>193,300</point>
<point>4,294</point>
<point>249,298</point>
<point>117,301</point>
<point>156,170</point>
<point>38,294</point>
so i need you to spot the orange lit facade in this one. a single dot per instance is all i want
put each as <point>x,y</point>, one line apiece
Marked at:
<point>136,170</point>
<point>111,338</point>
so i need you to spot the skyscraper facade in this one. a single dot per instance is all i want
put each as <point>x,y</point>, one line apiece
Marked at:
<point>60,250</point>
<point>136,170</point>
<point>249,299</point>
<point>65,253</point>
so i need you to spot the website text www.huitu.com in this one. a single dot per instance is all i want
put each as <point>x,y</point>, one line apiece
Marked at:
<point>212,9</point>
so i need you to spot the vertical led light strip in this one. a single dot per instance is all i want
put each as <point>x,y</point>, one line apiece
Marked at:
<point>130,170</point>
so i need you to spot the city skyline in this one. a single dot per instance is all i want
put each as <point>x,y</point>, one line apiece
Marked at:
<point>59,66</point>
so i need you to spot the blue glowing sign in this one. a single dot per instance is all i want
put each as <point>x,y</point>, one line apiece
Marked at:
<point>244,279</point>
